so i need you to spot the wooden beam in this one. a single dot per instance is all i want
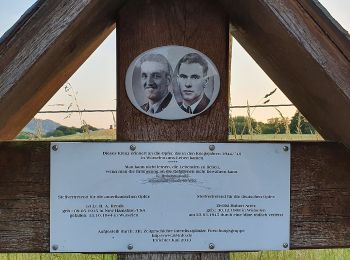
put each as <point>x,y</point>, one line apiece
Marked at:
<point>320,197</point>
<point>41,52</point>
<point>304,52</point>
<point>201,25</point>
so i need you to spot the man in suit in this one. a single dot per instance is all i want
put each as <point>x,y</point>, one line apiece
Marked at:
<point>155,80</point>
<point>192,79</point>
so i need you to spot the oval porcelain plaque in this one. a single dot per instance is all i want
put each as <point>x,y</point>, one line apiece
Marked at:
<point>172,82</point>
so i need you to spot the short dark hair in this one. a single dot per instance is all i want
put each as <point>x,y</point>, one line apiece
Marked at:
<point>152,57</point>
<point>191,58</point>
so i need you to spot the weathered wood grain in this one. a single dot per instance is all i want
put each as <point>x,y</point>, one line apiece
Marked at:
<point>304,52</point>
<point>198,24</point>
<point>202,25</point>
<point>320,198</point>
<point>41,52</point>
<point>24,196</point>
<point>320,195</point>
<point>332,29</point>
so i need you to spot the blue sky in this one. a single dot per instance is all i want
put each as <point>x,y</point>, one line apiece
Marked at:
<point>95,81</point>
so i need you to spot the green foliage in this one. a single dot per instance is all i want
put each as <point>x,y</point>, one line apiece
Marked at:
<point>241,125</point>
<point>267,128</point>
<point>57,133</point>
<point>246,125</point>
<point>278,137</point>
<point>299,125</point>
<point>67,130</point>
<point>24,136</point>
<point>285,121</point>
<point>64,130</point>
<point>278,125</point>
<point>314,254</point>
<point>86,128</point>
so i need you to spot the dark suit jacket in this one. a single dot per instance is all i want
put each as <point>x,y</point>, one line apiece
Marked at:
<point>162,106</point>
<point>200,107</point>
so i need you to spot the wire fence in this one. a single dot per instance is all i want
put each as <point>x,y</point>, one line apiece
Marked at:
<point>285,119</point>
<point>76,111</point>
<point>114,110</point>
<point>277,105</point>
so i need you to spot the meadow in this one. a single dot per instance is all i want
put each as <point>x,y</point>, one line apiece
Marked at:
<point>319,254</point>
<point>276,137</point>
<point>104,134</point>
<point>110,134</point>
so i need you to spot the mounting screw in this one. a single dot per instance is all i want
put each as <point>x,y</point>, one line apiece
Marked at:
<point>55,247</point>
<point>211,147</point>
<point>211,246</point>
<point>55,147</point>
<point>132,147</point>
<point>130,246</point>
<point>285,245</point>
<point>285,148</point>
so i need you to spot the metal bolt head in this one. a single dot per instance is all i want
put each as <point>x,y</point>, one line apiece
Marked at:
<point>211,246</point>
<point>211,147</point>
<point>132,147</point>
<point>285,148</point>
<point>130,246</point>
<point>55,147</point>
<point>55,247</point>
<point>285,245</point>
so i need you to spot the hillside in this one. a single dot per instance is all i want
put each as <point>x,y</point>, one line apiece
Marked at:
<point>44,126</point>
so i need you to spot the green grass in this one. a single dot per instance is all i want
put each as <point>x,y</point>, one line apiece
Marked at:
<point>110,134</point>
<point>324,254</point>
<point>319,254</point>
<point>277,137</point>
<point>105,134</point>
<point>58,256</point>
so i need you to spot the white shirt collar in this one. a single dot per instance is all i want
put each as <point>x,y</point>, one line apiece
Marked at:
<point>194,105</point>
<point>155,106</point>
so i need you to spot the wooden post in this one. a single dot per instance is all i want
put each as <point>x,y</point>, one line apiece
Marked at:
<point>144,25</point>
<point>197,24</point>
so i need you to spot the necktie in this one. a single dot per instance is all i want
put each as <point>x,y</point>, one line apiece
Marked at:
<point>151,110</point>
<point>189,110</point>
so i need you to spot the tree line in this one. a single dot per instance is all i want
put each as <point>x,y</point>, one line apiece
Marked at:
<point>243,125</point>
<point>65,130</point>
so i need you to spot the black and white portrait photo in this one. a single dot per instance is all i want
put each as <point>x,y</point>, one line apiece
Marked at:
<point>172,82</point>
<point>191,75</point>
<point>156,77</point>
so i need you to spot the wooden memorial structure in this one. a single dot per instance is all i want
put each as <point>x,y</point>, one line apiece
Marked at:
<point>297,43</point>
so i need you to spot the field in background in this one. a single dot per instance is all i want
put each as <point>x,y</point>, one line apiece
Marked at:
<point>110,134</point>
<point>324,254</point>
<point>276,137</point>
<point>104,134</point>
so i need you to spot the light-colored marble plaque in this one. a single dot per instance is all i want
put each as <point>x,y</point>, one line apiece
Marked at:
<point>119,197</point>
